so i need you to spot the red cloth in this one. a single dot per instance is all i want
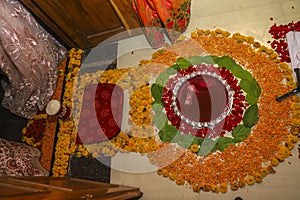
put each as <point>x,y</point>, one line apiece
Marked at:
<point>101,113</point>
<point>163,16</point>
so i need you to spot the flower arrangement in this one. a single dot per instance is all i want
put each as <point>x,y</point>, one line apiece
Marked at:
<point>139,137</point>
<point>246,161</point>
<point>235,165</point>
<point>33,133</point>
<point>279,43</point>
<point>226,122</point>
<point>66,136</point>
<point>41,130</point>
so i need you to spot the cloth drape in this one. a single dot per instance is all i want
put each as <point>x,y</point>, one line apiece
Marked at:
<point>29,56</point>
<point>293,41</point>
<point>159,17</point>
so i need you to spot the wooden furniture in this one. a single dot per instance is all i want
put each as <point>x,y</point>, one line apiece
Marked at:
<point>36,188</point>
<point>84,24</point>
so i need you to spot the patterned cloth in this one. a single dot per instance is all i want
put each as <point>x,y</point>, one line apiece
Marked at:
<point>18,159</point>
<point>163,16</point>
<point>28,58</point>
<point>101,113</point>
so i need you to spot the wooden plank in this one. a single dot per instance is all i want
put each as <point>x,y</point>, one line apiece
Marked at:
<point>85,24</point>
<point>47,22</point>
<point>127,15</point>
<point>59,15</point>
<point>63,188</point>
<point>12,190</point>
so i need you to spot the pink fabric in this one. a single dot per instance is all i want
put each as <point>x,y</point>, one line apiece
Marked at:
<point>18,159</point>
<point>28,57</point>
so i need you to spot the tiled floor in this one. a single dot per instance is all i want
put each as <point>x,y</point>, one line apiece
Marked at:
<point>252,18</point>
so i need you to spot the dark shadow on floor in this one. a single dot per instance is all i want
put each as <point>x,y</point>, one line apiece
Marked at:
<point>11,125</point>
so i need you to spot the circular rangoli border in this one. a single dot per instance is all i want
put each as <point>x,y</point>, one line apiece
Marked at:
<point>252,160</point>
<point>238,165</point>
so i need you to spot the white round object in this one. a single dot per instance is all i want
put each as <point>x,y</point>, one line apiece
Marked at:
<point>53,107</point>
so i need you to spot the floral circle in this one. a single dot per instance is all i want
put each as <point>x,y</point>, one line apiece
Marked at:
<point>266,138</point>
<point>265,141</point>
<point>232,126</point>
<point>197,79</point>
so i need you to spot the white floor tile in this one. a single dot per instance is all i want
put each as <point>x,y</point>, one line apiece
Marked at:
<point>132,50</point>
<point>291,10</point>
<point>252,22</point>
<point>154,186</point>
<point>202,8</point>
<point>285,0</point>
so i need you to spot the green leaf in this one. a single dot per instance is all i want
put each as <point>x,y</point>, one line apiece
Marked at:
<point>183,63</point>
<point>239,72</point>
<point>185,140</point>
<point>197,140</point>
<point>251,116</point>
<point>256,88</point>
<point>196,60</point>
<point>175,67</point>
<point>156,91</point>
<point>160,120</point>
<point>167,133</point>
<point>251,87</point>
<point>225,61</point>
<point>246,85</point>
<point>251,99</point>
<point>208,145</point>
<point>224,142</point>
<point>157,106</point>
<point>209,59</point>
<point>240,133</point>
<point>163,77</point>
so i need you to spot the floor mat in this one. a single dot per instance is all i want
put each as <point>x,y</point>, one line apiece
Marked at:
<point>95,169</point>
